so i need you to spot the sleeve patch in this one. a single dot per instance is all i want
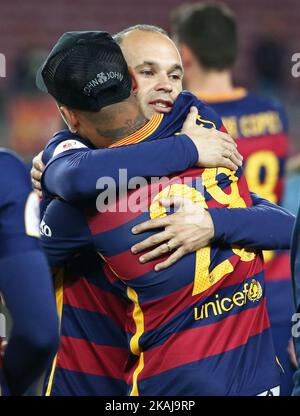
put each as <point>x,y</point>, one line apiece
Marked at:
<point>67,145</point>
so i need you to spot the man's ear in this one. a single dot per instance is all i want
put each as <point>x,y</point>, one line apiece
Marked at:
<point>135,84</point>
<point>69,117</point>
<point>187,55</point>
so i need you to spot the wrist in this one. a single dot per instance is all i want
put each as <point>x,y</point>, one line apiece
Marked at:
<point>191,147</point>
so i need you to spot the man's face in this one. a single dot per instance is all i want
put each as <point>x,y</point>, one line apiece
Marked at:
<point>158,67</point>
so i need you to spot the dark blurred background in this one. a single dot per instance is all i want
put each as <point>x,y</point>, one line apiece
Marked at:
<point>269,36</point>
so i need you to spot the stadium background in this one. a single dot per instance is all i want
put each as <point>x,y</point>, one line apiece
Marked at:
<point>269,36</point>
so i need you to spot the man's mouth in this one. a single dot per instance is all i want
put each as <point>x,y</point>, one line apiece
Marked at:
<point>161,106</point>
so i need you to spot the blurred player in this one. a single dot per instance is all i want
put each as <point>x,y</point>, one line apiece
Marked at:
<point>169,311</point>
<point>295,267</point>
<point>25,281</point>
<point>208,41</point>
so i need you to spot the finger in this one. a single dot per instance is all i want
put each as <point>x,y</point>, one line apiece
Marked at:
<point>226,137</point>
<point>38,159</point>
<point>231,153</point>
<point>150,225</point>
<point>158,251</point>
<point>191,118</point>
<point>193,111</point>
<point>229,146</point>
<point>233,150</point>
<point>38,164</point>
<point>227,163</point>
<point>151,241</point>
<point>226,153</point>
<point>36,174</point>
<point>36,184</point>
<point>173,258</point>
<point>235,159</point>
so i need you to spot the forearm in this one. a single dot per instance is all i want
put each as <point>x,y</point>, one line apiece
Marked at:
<point>263,226</point>
<point>73,176</point>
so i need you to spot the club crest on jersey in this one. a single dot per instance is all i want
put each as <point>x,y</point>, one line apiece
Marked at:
<point>255,291</point>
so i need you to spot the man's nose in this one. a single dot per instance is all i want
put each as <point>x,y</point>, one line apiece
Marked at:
<point>164,84</point>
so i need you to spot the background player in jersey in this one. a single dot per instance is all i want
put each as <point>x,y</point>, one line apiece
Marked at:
<point>208,42</point>
<point>295,263</point>
<point>260,126</point>
<point>25,282</point>
<point>164,90</point>
<point>263,374</point>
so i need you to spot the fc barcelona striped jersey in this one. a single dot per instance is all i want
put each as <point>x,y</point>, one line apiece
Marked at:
<point>93,346</point>
<point>260,126</point>
<point>199,327</point>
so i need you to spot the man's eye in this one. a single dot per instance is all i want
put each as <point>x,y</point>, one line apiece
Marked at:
<point>175,77</point>
<point>147,72</point>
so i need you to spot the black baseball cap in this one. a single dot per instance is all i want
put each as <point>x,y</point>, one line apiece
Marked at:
<point>85,71</point>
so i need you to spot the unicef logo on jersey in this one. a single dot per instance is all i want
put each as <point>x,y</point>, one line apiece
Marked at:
<point>2,326</point>
<point>296,67</point>
<point>2,65</point>
<point>251,292</point>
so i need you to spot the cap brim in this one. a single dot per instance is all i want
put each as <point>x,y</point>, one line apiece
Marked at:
<point>39,80</point>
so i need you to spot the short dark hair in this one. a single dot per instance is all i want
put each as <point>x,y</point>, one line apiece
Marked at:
<point>118,37</point>
<point>210,30</point>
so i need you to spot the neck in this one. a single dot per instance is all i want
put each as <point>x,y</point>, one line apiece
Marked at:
<point>125,126</point>
<point>115,122</point>
<point>204,82</point>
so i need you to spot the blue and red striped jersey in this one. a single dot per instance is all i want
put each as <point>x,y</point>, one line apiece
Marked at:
<point>260,126</point>
<point>93,346</point>
<point>199,327</point>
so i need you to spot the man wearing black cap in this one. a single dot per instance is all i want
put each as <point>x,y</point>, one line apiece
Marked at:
<point>81,91</point>
<point>88,125</point>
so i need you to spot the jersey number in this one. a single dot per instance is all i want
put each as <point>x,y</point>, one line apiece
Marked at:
<point>204,278</point>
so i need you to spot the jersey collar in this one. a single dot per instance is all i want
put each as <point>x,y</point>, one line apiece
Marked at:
<point>141,134</point>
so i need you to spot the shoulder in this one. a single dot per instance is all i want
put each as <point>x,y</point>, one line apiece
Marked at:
<point>264,102</point>
<point>261,103</point>
<point>207,115</point>
<point>62,141</point>
<point>9,159</point>
<point>14,178</point>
